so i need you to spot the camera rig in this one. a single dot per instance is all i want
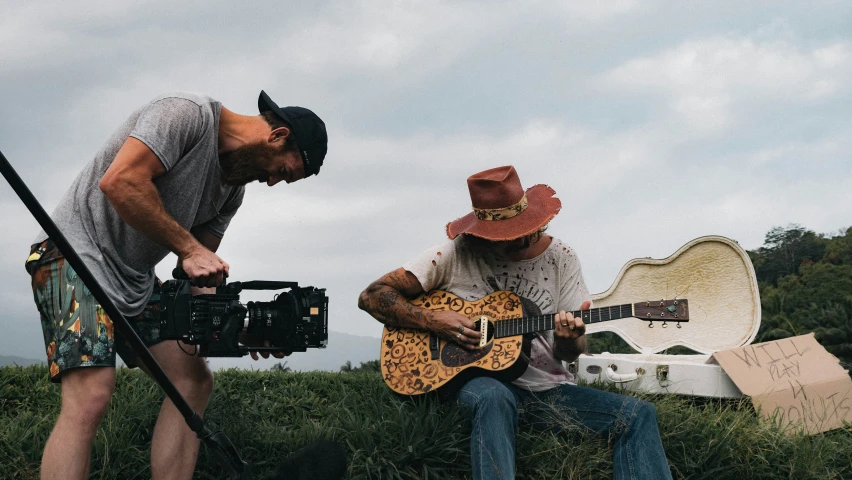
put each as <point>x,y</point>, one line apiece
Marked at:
<point>293,321</point>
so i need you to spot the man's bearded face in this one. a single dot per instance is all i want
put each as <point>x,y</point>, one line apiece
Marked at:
<point>514,246</point>
<point>242,165</point>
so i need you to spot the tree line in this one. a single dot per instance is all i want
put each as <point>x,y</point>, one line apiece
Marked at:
<point>805,282</point>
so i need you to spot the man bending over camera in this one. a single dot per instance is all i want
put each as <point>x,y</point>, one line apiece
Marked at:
<point>169,179</point>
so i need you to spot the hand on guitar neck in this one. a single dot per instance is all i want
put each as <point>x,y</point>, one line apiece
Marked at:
<point>569,334</point>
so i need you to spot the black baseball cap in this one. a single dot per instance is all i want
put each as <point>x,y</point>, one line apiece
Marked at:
<point>306,126</point>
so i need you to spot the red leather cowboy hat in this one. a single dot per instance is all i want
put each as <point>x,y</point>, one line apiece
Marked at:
<point>502,210</point>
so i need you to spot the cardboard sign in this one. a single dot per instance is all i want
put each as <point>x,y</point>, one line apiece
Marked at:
<point>794,380</point>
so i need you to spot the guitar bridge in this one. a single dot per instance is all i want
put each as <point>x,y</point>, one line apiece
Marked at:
<point>483,329</point>
<point>434,346</point>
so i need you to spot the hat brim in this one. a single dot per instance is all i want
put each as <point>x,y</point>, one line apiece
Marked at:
<point>542,206</point>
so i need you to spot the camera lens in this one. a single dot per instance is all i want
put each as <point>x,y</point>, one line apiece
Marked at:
<point>272,320</point>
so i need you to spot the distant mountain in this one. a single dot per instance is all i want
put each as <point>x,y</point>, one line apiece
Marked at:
<point>19,361</point>
<point>341,347</point>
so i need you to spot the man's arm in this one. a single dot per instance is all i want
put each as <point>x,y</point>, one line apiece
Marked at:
<point>211,242</point>
<point>386,300</point>
<point>206,237</point>
<point>128,185</point>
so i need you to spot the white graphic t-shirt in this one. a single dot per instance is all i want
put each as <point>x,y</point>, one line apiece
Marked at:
<point>550,282</point>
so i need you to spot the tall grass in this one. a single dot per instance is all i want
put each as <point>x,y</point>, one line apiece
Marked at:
<point>269,414</point>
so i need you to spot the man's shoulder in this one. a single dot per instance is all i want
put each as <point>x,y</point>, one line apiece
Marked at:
<point>560,246</point>
<point>441,251</point>
<point>199,99</point>
<point>205,104</point>
<point>559,251</point>
<point>186,111</point>
<point>447,245</point>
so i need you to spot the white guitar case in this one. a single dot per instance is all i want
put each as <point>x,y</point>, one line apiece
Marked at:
<point>717,278</point>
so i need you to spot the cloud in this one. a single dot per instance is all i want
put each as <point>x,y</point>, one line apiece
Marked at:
<point>654,125</point>
<point>714,83</point>
<point>598,11</point>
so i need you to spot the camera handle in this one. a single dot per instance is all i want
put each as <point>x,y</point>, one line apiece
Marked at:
<point>218,441</point>
<point>264,285</point>
<point>178,273</point>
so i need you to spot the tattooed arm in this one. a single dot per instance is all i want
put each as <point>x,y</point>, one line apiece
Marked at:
<point>386,300</point>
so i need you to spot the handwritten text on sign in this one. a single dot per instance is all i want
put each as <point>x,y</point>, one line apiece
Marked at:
<point>776,362</point>
<point>794,380</point>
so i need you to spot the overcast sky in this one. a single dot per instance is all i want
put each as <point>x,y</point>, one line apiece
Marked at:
<point>654,122</point>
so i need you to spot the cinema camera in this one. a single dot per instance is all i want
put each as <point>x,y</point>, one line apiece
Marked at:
<point>292,322</point>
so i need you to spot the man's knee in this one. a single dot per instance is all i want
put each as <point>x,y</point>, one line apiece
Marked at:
<point>195,382</point>
<point>644,412</point>
<point>86,395</point>
<point>189,373</point>
<point>205,382</point>
<point>487,394</point>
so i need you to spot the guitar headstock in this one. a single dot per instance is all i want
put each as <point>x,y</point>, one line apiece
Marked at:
<point>662,310</point>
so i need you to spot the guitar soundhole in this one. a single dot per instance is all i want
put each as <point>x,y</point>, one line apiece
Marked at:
<point>454,355</point>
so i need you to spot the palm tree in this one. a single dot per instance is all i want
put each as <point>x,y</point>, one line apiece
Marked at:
<point>281,367</point>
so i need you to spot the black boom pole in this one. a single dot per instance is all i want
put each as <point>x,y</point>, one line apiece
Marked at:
<point>218,441</point>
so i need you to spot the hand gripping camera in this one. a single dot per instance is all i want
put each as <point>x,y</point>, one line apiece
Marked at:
<point>292,322</point>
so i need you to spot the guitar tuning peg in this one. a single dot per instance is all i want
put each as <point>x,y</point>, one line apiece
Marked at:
<point>650,324</point>
<point>665,324</point>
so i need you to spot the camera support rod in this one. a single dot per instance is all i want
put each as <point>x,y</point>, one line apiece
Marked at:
<point>218,441</point>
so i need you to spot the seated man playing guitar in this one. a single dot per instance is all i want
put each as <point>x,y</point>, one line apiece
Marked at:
<point>498,257</point>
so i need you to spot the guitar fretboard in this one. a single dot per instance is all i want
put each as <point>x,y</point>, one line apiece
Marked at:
<point>520,326</point>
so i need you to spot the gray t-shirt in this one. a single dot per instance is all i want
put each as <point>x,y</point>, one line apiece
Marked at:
<point>182,130</point>
<point>547,283</point>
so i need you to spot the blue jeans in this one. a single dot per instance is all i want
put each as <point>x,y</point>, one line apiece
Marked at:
<point>630,424</point>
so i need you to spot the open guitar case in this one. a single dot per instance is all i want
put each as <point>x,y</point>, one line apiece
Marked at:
<point>717,278</point>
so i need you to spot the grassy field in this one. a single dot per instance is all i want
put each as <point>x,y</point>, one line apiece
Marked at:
<point>268,414</point>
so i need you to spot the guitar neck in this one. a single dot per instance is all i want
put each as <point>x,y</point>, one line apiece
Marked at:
<point>541,323</point>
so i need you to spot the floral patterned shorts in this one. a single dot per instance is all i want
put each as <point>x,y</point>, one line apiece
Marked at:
<point>77,331</point>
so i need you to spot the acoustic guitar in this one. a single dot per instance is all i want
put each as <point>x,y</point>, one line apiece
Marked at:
<point>415,362</point>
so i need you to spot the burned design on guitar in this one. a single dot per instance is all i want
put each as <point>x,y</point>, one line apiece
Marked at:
<point>415,362</point>
<point>418,361</point>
